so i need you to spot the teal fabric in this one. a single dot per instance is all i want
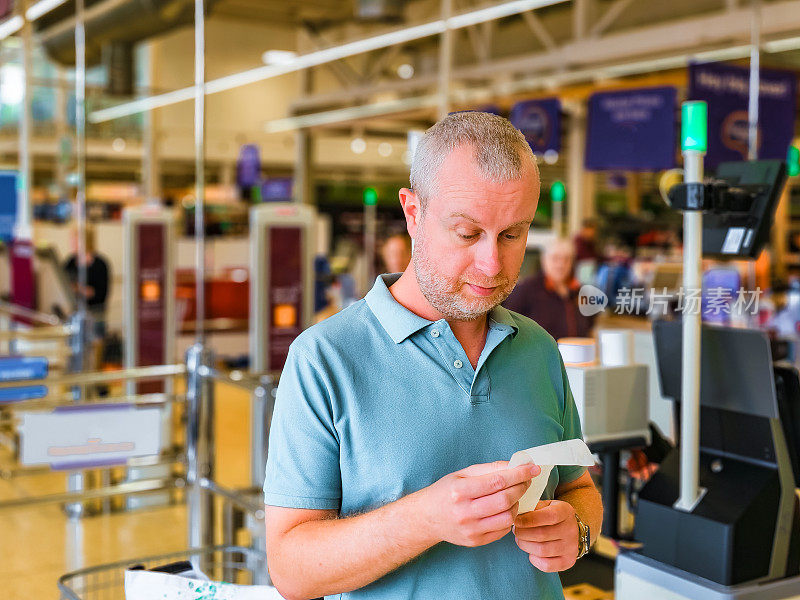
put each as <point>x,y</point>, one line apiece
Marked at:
<point>376,402</point>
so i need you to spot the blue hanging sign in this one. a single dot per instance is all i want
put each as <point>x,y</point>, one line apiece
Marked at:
<point>540,123</point>
<point>632,130</point>
<point>726,90</point>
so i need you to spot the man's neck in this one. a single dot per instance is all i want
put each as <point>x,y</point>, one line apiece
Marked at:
<point>471,334</point>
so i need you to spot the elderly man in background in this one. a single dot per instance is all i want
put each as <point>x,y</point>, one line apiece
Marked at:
<point>387,473</point>
<point>551,297</point>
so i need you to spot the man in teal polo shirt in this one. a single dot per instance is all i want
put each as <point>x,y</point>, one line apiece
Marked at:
<point>387,473</point>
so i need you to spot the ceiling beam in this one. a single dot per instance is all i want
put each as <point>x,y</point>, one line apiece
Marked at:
<point>658,47</point>
<point>611,15</point>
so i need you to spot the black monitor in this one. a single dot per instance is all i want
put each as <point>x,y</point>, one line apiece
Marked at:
<point>743,232</point>
<point>736,371</point>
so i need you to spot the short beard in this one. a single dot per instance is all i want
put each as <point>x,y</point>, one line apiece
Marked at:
<point>445,295</point>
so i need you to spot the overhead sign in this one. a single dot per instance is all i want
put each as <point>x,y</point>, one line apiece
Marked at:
<point>631,130</point>
<point>540,123</point>
<point>726,89</point>
<point>277,189</point>
<point>82,437</point>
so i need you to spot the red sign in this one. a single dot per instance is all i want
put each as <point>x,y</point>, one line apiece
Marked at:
<point>23,284</point>
<point>285,301</point>
<point>151,311</point>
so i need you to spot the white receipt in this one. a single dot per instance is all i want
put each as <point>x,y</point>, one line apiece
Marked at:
<point>568,452</point>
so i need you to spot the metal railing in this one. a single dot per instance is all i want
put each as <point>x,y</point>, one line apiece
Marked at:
<point>193,480</point>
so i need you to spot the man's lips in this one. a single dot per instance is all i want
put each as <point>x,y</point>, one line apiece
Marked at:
<point>480,290</point>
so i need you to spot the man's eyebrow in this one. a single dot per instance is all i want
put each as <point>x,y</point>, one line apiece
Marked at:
<point>468,218</point>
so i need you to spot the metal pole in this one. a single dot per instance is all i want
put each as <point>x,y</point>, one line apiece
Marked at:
<point>80,145</point>
<point>690,372</point>
<point>755,78</point>
<point>263,399</point>
<point>78,343</point>
<point>576,177</point>
<point>199,166</point>
<point>150,171</point>
<point>370,228</point>
<point>445,61</point>
<point>62,134</point>
<point>24,229</point>
<point>199,443</point>
<point>752,111</point>
<point>558,218</point>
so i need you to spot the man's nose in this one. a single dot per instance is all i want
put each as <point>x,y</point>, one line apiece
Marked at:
<point>487,258</point>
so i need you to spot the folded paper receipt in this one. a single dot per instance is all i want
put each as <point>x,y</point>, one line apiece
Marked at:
<point>568,452</point>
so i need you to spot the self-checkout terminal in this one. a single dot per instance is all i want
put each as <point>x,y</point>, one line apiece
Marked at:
<point>719,520</point>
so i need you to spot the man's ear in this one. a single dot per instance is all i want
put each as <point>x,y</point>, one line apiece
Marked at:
<point>411,209</point>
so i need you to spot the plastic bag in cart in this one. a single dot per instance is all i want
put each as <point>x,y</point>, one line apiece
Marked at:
<point>152,585</point>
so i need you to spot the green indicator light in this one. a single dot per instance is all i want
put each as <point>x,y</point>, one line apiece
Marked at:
<point>793,161</point>
<point>694,126</point>
<point>370,196</point>
<point>557,191</point>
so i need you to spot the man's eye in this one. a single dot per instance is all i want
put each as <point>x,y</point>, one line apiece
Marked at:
<point>465,236</point>
<point>511,236</point>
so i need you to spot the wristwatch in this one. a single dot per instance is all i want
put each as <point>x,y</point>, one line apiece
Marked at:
<point>583,537</point>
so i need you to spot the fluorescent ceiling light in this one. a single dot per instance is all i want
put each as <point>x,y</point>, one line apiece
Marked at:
<point>782,45</point>
<point>10,26</point>
<point>278,57</point>
<point>324,56</point>
<point>353,112</point>
<point>41,8</point>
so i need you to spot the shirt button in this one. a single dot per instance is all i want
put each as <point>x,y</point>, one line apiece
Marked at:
<point>435,333</point>
<point>458,364</point>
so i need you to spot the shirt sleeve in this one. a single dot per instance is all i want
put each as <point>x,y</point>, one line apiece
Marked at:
<point>572,430</point>
<point>303,457</point>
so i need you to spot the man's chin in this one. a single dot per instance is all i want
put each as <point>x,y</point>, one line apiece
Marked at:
<point>480,305</point>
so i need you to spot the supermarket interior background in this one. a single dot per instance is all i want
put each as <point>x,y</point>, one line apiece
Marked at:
<point>187,185</point>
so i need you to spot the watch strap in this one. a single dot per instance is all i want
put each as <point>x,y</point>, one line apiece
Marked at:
<point>583,537</point>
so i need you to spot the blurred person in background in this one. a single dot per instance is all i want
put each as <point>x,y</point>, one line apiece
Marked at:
<point>551,297</point>
<point>615,273</point>
<point>586,255</point>
<point>98,276</point>
<point>396,253</point>
<point>585,241</point>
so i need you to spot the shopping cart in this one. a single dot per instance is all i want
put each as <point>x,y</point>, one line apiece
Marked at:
<point>232,564</point>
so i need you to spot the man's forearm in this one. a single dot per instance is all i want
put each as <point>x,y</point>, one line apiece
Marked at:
<point>325,557</point>
<point>588,504</point>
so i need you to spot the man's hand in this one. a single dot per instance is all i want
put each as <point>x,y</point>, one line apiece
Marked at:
<point>477,505</point>
<point>549,534</point>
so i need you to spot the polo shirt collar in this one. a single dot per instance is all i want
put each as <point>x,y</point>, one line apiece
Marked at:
<point>396,319</point>
<point>502,317</point>
<point>400,323</point>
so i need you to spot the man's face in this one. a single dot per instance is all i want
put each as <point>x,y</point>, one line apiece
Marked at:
<point>557,264</point>
<point>470,241</point>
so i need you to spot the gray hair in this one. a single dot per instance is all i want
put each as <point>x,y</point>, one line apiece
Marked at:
<point>560,243</point>
<point>499,150</point>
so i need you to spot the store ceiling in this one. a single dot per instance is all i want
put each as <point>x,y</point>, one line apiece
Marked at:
<point>283,12</point>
